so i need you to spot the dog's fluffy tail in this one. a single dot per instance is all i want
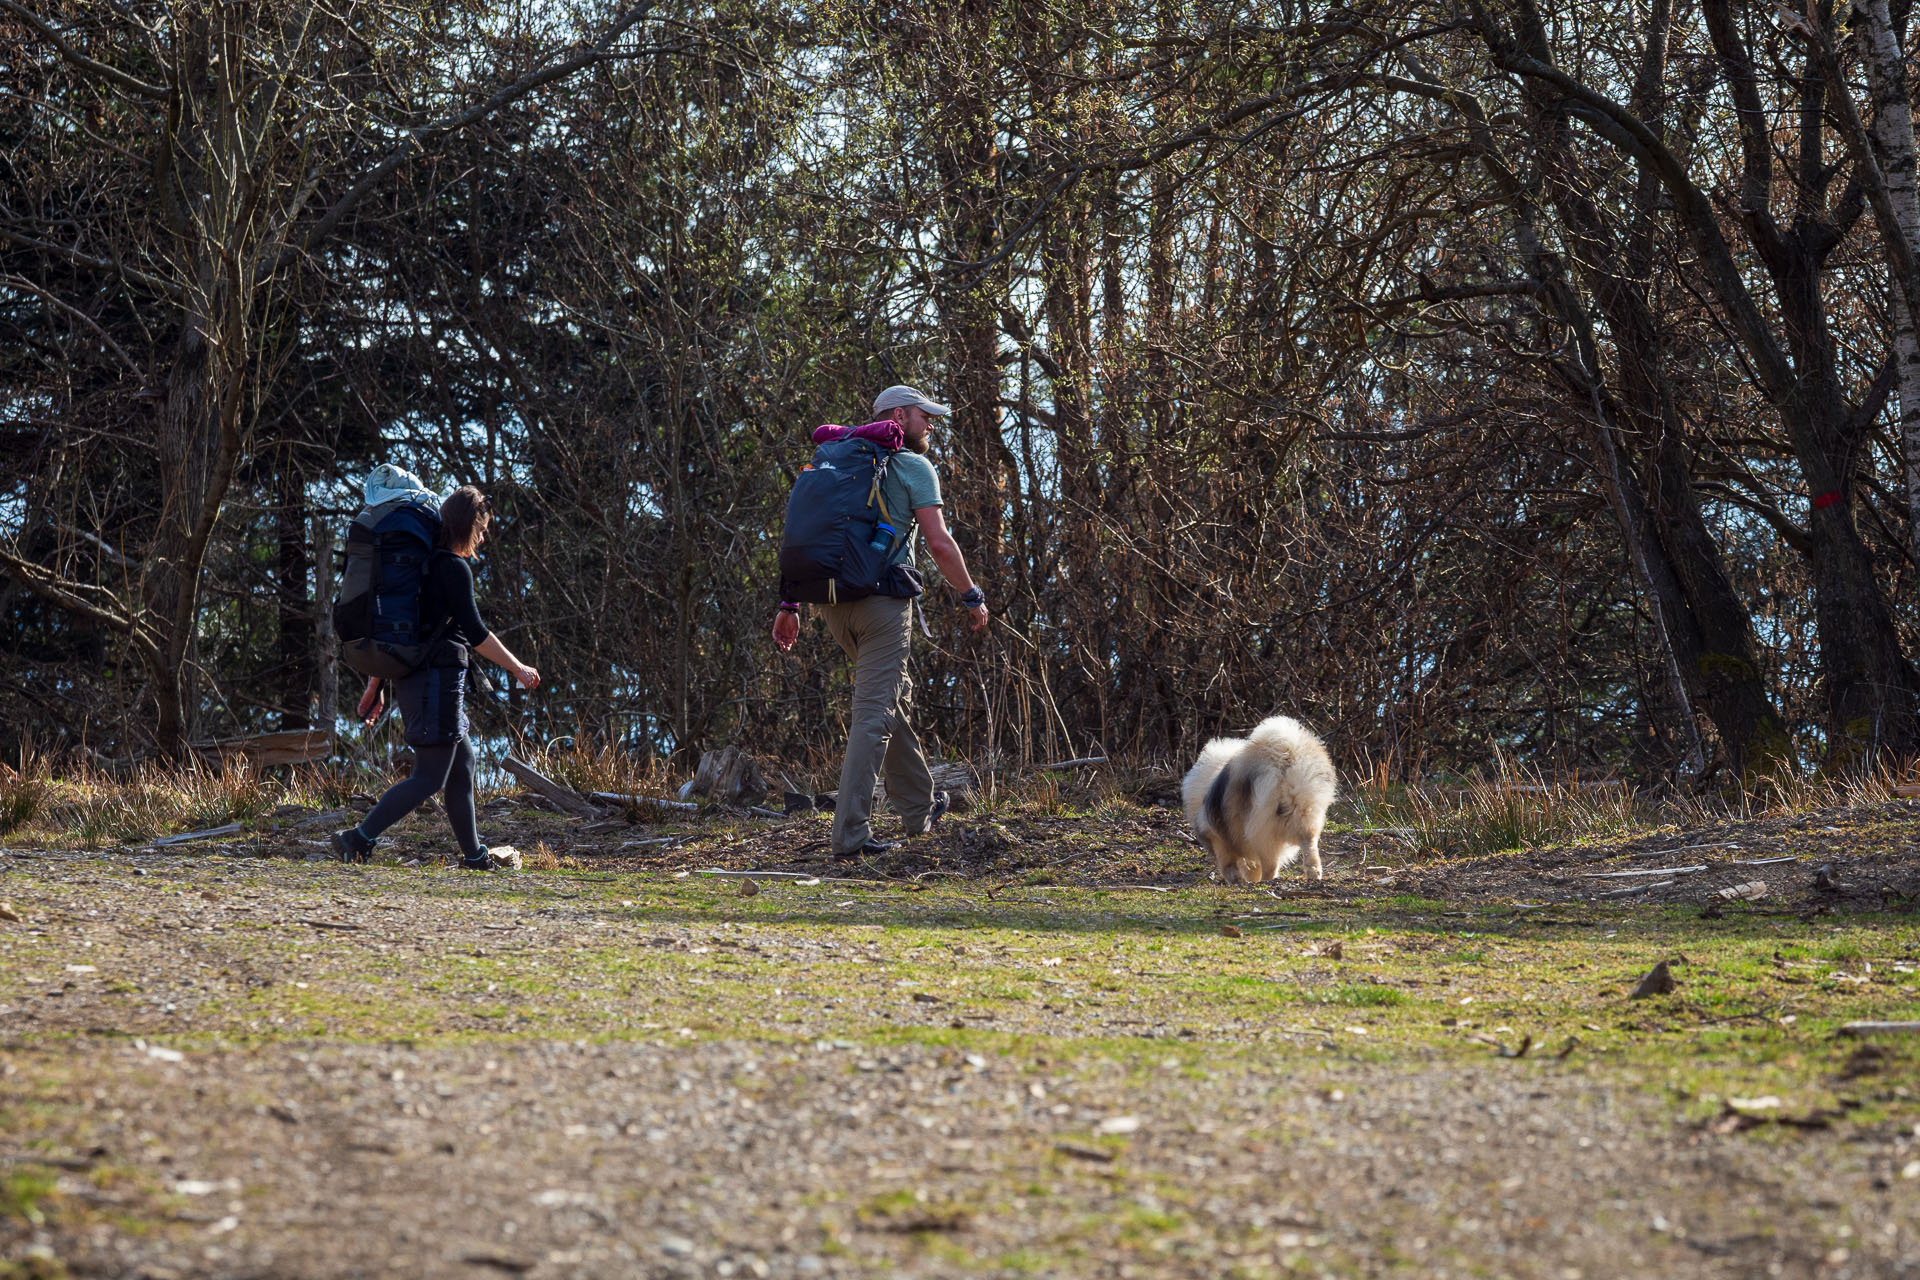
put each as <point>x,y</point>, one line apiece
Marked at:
<point>1301,773</point>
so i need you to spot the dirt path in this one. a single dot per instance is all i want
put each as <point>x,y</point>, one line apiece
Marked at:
<point>237,1066</point>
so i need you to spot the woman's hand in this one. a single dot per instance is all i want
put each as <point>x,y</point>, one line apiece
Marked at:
<point>786,629</point>
<point>371,702</point>
<point>528,677</point>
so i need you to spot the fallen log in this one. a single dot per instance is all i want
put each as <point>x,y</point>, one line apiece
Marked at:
<point>567,800</point>
<point>673,806</point>
<point>1072,764</point>
<point>263,750</point>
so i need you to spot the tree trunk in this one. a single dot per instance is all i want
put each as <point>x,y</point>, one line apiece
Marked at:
<point>297,611</point>
<point>1892,134</point>
<point>326,643</point>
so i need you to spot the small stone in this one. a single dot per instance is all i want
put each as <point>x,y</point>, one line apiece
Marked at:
<point>748,888</point>
<point>1119,1124</point>
<point>8,914</point>
<point>676,1246</point>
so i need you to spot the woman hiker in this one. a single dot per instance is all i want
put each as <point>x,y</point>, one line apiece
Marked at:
<point>432,701</point>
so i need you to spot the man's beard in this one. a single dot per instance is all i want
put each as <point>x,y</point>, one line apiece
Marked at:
<point>919,443</point>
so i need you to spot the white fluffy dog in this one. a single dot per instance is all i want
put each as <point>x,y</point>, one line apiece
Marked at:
<point>1256,802</point>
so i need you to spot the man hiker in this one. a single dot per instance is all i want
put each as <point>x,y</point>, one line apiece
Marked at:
<point>875,631</point>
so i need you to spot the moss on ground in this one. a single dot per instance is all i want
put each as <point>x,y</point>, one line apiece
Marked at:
<point>287,953</point>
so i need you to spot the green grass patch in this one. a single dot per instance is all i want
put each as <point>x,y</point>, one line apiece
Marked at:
<point>21,1193</point>
<point>1141,980</point>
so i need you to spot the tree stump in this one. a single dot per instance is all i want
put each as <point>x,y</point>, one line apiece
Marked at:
<point>729,775</point>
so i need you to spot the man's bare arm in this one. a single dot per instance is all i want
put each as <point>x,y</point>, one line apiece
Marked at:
<point>946,554</point>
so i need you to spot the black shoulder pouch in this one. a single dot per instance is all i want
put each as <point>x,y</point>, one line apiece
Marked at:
<point>902,582</point>
<point>447,652</point>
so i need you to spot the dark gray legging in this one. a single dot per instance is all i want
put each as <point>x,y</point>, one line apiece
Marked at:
<point>447,768</point>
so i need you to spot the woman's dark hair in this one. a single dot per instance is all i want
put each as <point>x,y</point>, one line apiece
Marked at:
<point>464,516</point>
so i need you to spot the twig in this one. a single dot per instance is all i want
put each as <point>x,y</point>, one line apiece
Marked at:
<point>232,828</point>
<point>1639,888</point>
<point>802,877</point>
<point>330,924</point>
<point>759,875</point>
<point>1879,1028</point>
<point>1649,871</point>
<point>1686,848</point>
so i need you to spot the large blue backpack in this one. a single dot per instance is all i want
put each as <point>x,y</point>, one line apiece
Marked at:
<point>839,535</point>
<point>377,616</point>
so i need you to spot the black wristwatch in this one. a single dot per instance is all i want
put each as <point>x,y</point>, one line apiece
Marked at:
<point>973,598</point>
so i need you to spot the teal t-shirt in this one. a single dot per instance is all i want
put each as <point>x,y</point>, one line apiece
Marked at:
<point>911,484</point>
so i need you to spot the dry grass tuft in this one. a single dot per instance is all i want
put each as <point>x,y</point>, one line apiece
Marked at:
<point>1522,808</point>
<point>602,767</point>
<point>23,791</point>
<point>1516,809</point>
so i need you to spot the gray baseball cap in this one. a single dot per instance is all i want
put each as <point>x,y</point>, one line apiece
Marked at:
<point>901,397</point>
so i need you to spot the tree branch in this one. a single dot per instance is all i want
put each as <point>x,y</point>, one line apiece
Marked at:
<point>20,282</point>
<point>112,266</point>
<point>1628,132</point>
<point>133,84</point>
<point>50,588</point>
<point>417,139</point>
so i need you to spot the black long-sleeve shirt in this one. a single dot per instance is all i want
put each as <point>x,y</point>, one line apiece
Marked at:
<point>447,596</point>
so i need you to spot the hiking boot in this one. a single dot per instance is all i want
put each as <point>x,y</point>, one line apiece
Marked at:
<point>351,846</point>
<point>505,858</point>
<point>941,803</point>
<point>871,849</point>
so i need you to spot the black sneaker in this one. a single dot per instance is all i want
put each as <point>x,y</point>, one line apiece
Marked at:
<point>941,803</point>
<point>479,862</point>
<point>351,846</point>
<point>871,849</point>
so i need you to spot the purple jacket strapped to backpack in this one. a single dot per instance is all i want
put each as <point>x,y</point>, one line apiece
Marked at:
<point>886,433</point>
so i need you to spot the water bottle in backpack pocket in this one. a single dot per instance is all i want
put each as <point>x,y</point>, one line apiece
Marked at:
<point>378,614</point>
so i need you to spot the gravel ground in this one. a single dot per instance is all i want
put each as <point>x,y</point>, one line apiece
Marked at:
<point>720,1159</point>
<point>171,1103</point>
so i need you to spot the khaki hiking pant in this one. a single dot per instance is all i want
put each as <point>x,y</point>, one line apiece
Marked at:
<point>875,634</point>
